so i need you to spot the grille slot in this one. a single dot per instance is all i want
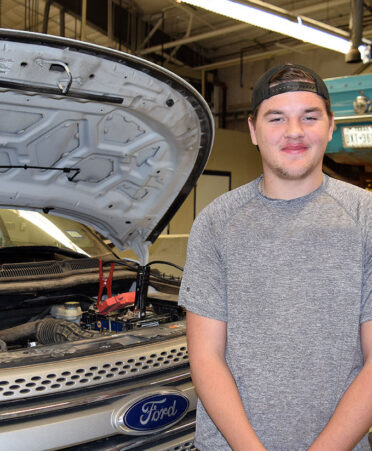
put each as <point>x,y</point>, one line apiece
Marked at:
<point>186,446</point>
<point>25,382</point>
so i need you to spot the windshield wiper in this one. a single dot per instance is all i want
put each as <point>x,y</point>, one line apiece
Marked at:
<point>41,250</point>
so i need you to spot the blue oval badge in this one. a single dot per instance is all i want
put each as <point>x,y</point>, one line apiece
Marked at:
<point>155,412</point>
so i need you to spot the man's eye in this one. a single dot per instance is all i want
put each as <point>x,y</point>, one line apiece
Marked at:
<point>311,118</point>
<point>275,119</point>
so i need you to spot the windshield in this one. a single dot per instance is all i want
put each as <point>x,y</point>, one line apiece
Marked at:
<point>29,228</point>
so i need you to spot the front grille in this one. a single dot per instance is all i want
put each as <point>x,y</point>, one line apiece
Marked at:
<point>179,437</point>
<point>85,420</point>
<point>25,382</point>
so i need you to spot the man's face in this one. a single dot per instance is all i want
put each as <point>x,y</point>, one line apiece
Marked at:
<point>292,131</point>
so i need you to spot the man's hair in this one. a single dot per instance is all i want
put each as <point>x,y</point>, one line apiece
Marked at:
<point>290,73</point>
<point>293,73</point>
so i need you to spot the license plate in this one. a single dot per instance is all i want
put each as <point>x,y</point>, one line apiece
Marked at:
<point>357,136</point>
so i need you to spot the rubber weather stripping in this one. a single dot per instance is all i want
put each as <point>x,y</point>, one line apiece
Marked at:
<point>51,90</point>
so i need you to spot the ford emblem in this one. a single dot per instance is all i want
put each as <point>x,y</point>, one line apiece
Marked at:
<point>152,412</point>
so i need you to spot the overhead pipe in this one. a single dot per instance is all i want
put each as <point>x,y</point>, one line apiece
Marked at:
<point>46,16</point>
<point>224,105</point>
<point>188,40</point>
<point>110,33</point>
<point>203,83</point>
<point>253,58</point>
<point>242,50</point>
<point>243,26</point>
<point>62,11</point>
<point>83,20</point>
<point>62,22</point>
<point>153,30</point>
<point>356,31</point>
<point>187,34</point>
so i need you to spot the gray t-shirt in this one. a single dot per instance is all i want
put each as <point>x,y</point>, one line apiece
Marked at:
<point>293,281</point>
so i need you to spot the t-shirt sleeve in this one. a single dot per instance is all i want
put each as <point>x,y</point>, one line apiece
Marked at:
<point>366,308</point>
<point>203,288</point>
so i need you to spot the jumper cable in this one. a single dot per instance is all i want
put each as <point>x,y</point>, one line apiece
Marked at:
<point>104,282</point>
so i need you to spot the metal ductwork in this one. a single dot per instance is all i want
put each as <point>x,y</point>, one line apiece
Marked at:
<point>356,31</point>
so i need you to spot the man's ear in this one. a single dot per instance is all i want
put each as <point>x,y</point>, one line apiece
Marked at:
<point>252,131</point>
<point>331,128</point>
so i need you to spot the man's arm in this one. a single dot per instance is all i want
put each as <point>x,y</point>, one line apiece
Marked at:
<point>215,384</point>
<point>353,415</point>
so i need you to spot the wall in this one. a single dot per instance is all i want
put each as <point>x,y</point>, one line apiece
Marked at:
<point>232,152</point>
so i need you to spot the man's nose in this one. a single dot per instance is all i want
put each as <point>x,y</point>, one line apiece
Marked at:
<point>294,128</point>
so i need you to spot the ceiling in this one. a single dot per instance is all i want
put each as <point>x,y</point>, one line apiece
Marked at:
<point>169,32</point>
<point>207,49</point>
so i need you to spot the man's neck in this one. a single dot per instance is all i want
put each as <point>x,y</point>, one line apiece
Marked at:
<point>280,188</point>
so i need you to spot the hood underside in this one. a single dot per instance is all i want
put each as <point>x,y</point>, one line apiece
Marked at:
<point>96,135</point>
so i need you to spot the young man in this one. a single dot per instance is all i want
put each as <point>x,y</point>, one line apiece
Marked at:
<point>278,289</point>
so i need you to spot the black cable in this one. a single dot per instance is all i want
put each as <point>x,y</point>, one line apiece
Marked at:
<point>135,268</point>
<point>162,262</point>
<point>121,263</point>
<point>162,278</point>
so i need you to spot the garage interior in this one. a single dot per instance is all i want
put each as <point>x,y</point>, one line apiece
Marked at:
<point>222,58</point>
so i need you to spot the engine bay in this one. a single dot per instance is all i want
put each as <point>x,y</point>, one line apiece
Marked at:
<point>112,302</point>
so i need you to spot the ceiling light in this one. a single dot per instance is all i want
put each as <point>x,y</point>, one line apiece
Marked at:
<point>273,22</point>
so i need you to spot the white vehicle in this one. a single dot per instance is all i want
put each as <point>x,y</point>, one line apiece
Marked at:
<point>94,142</point>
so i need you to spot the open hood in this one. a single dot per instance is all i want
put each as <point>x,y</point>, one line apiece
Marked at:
<point>96,135</point>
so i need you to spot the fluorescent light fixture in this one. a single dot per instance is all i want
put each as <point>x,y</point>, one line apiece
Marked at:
<point>273,22</point>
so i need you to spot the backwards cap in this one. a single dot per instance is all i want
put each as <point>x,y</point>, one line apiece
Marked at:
<point>262,89</point>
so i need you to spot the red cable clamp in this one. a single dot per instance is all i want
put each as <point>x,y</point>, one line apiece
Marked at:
<point>104,282</point>
<point>117,302</point>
